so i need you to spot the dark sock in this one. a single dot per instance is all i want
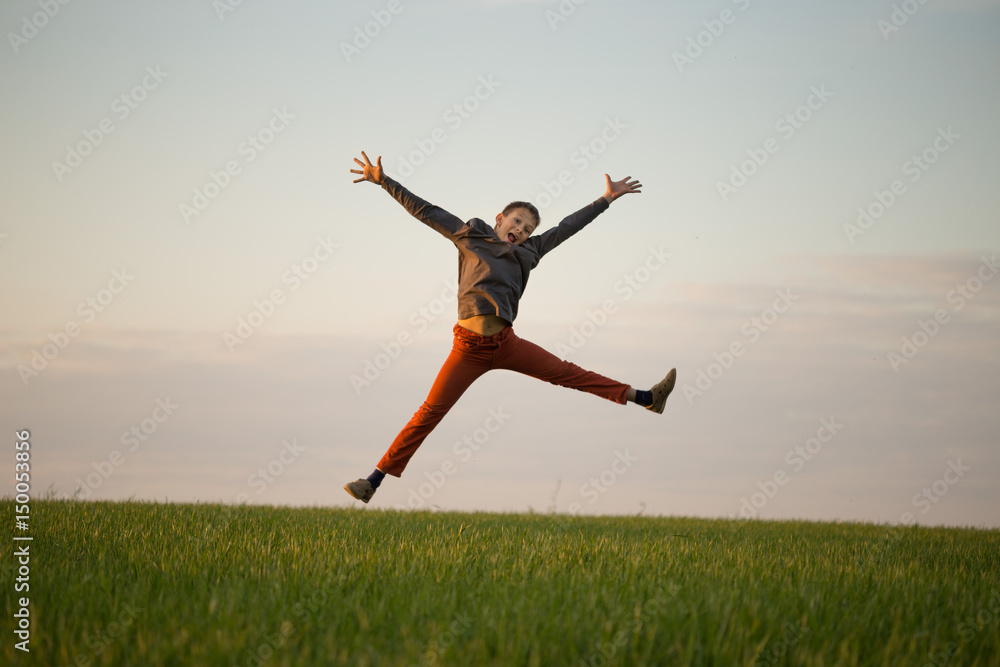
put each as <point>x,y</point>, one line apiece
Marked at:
<point>643,397</point>
<point>376,477</point>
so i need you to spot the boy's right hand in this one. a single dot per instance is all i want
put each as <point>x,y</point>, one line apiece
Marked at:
<point>369,172</point>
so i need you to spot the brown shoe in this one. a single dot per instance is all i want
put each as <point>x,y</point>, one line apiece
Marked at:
<point>361,489</point>
<point>661,390</point>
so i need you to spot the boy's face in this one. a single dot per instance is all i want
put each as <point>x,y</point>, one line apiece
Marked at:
<point>516,226</point>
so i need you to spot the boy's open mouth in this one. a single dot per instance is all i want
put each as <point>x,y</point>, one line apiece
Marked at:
<point>511,238</point>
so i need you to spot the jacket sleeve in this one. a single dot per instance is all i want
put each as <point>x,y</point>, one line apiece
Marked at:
<point>433,216</point>
<point>571,224</point>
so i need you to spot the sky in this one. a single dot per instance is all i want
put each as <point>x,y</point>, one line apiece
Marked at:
<point>199,305</point>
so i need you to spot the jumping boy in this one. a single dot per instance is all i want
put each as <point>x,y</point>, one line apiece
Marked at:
<point>493,267</point>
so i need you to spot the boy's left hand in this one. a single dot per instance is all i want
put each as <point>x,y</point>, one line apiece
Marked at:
<point>618,188</point>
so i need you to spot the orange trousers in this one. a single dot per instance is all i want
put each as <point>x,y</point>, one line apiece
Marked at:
<point>473,355</point>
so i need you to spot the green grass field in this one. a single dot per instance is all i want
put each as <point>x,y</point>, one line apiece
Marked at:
<point>159,584</point>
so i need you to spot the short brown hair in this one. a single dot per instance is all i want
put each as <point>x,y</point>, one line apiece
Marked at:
<point>522,204</point>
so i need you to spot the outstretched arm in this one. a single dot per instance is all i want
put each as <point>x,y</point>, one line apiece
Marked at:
<point>433,216</point>
<point>574,222</point>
